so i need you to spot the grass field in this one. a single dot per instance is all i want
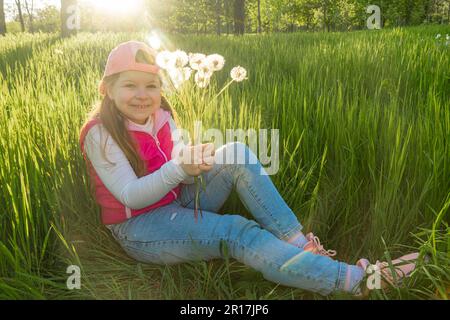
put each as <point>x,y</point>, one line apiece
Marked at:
<point>364,121</point>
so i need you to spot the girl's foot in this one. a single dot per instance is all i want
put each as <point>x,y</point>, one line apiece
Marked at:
<point>310,243</point>
<point>313,245</point>
<point>391,275</point>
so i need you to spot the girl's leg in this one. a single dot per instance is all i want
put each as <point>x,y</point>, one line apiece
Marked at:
<point>170,235</point>
<point>237,166</point>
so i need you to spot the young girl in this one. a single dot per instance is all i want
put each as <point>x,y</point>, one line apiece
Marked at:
<point>146,193</point>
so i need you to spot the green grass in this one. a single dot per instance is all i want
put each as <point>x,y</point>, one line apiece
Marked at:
<point>364,121</point>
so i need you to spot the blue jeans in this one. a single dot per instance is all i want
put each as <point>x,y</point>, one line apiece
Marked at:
<point>170,234</point>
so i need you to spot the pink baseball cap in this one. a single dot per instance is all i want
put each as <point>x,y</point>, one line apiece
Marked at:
<point>123,58</point>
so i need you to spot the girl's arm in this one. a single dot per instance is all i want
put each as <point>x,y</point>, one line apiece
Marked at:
<point>121,180</point>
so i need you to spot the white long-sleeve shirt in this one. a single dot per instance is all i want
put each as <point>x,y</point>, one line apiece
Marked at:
<point>121,180</point>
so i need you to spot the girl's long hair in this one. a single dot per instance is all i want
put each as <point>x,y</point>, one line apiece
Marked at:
<point>115,123</point>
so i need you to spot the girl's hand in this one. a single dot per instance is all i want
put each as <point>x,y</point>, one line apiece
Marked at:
<point>207,157</point>
<point>208,153</point>
<point>197,159</point>
<point>193,170</point>
<point>191,159</point>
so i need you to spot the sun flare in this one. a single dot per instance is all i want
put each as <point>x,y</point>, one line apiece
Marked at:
<point>116,7</point>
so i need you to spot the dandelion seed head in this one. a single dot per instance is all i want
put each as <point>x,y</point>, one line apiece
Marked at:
<point>181,58</point>
<point>195,59</point>
<point>205,68</point>
<point>217,61</point>
<point>165,59</point>
<point>238,74</point>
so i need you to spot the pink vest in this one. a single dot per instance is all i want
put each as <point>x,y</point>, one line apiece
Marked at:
<point>154,150</point>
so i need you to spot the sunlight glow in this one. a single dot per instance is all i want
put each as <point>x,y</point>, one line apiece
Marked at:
<point>117,7</point>
<point>154,41</point>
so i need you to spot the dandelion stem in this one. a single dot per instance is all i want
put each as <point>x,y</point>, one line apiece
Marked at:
<point>226,86</point>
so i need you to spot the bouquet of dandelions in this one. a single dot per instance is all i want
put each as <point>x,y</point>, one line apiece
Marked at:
<point>179,67</point>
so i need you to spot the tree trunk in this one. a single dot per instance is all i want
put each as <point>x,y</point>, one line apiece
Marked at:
<point>218,13</point>
<point>427,10</point>
<point>29,10</point>
<point>2,18</point>
<point>69,19</point>
<point>325,17</point>
<point>239,17</point>
<point>436,6</point>
<point>19,8</point>
<point>259,16</point>
<point>448,14</point>
<point>227,15</point>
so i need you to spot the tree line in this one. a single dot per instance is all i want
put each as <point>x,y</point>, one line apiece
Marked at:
<point>229,16</point>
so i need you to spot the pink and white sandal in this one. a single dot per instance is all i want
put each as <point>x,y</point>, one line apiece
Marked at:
<point>403,267</point>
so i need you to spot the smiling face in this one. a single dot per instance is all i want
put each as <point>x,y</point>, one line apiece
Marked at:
<point>136,94</point>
